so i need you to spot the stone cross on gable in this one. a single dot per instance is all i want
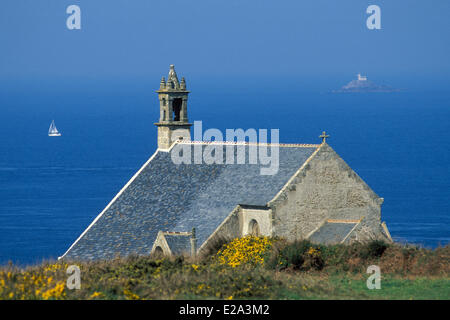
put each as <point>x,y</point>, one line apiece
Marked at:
<point>324,136</point>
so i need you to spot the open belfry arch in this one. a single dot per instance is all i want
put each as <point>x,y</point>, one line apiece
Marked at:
<point>168,208</point>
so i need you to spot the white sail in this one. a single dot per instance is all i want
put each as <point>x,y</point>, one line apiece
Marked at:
<point>52,131</point>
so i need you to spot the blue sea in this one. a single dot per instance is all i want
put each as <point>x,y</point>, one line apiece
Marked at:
<point>52,188</point>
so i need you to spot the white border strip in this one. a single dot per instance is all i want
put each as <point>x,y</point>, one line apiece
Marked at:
<point>112,201</point>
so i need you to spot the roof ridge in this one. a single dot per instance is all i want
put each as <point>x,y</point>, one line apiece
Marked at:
<point>177,233</point>
<point>287,145</point>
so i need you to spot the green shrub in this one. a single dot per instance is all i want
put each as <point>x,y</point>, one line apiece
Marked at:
<point>299,255</point>
<point>377,248</point>
<point>374,249</point>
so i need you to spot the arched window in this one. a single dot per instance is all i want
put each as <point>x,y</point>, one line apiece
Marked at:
<point>253,228</point>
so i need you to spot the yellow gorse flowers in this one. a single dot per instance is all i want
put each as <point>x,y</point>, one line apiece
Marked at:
<point>34,284</point>
<point>55,293</point>
<point>313,252</point>
<point>195,267</point>
<point>245,250</point>
<point>130,295</point>
<point>96,294</point>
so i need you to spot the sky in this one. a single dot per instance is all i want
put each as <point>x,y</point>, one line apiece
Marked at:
<point>229,39</point>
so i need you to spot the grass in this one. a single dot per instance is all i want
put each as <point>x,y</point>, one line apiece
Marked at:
<point>394,288</point>
<point>255,268</point>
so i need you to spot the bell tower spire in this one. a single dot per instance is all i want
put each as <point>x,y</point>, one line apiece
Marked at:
<point>173,122</point>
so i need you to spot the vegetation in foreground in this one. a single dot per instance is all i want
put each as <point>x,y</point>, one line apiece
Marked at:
<point>246,268</point>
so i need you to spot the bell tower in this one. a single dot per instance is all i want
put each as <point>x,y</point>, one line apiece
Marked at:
<point>173,123</point>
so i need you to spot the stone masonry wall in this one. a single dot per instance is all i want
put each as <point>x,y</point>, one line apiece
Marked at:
<point>168,134</point>
<point>325,188</point>
<point>262,217</point>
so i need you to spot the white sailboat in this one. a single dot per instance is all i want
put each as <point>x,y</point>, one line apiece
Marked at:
<point>52,131</point>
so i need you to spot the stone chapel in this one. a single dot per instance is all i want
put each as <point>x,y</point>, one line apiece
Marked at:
<point>171,208</point>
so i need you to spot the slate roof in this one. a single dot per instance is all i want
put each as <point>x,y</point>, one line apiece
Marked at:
<point>178,243</point>
<point>332,232</point>
<point>178,197</point>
